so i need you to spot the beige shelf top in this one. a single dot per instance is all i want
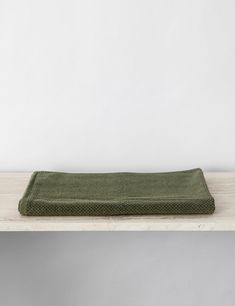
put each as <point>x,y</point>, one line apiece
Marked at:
<point>221,186</point>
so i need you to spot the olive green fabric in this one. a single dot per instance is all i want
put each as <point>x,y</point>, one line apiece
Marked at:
<point>109,194</point>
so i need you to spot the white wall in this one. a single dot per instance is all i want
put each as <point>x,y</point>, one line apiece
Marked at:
<point>117,85</point>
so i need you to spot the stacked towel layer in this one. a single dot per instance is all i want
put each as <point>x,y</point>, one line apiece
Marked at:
<point>112,194</point>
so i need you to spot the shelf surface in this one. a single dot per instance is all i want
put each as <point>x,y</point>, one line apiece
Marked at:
<point>221,186</point>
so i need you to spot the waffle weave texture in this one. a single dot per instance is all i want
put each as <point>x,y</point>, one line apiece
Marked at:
<point>110,194</point>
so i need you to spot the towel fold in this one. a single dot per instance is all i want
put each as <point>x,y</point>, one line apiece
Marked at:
<point>110,194</point>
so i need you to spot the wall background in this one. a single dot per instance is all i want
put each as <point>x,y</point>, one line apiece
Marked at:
<point>117,85</point>
<point>118,268</point>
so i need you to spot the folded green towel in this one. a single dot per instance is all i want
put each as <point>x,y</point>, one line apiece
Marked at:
<point>109,194</point>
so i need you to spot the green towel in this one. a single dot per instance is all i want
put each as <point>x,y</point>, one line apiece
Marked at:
<point>110,194</point>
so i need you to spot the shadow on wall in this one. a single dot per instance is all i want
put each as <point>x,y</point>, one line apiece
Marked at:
<point>117,268</point>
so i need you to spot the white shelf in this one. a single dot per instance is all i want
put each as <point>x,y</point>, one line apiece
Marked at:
<point>221,186</point>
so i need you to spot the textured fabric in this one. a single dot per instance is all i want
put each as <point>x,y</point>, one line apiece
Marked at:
<point>109,194</point>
